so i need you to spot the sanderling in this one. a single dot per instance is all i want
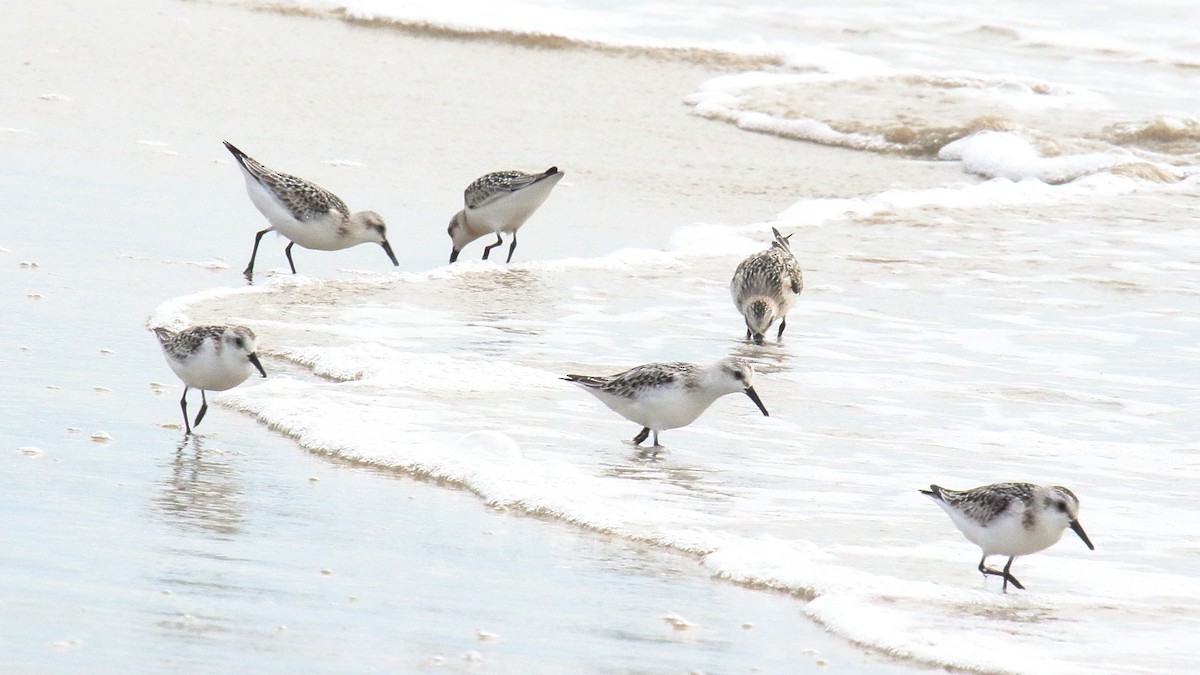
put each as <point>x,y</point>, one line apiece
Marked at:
<point>1011,519</point>
<point>765,286</point>
<point>499,202</point>
<point>306,213</point>
<point>213,358</point>
<point>662,396</point>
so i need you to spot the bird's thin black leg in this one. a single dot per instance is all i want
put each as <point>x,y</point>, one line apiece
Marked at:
<point>203,408</point>
<point>487,250</point>
<point>637,440</point>
<point>288,252</point>
<point>1008,577</point>
<point>183,404</point>
<point>512,247</point>
<point>782,325</point>
<point>249,271</point>
<point>656,443</point>
<point>748,333</point>
<point>998,573</point>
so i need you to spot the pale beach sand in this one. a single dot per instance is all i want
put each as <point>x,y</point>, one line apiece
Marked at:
<point>243,553</point>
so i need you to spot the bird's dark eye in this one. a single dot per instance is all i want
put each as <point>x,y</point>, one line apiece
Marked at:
<point>1062,506</point>
<point>240,343</point>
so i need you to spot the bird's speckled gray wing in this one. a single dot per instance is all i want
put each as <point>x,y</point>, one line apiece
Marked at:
<point>492,186</point>
<point>758,274</point>
<point>766,273</point>
<point>304,199</point>
<point>186,342</point>
<point>784,248</point>
<point>983,504</point>
<point>639,379</point>
<point>795,274</point>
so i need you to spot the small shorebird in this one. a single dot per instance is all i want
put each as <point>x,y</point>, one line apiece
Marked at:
<point>306,213</point>
<point>662,396</point>
<point>213,358</point>
<point>765,286</point>
<point>499,202</point>
<point>1011,519</point>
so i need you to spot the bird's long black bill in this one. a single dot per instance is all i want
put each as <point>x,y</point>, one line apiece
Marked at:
<point>254,359</point>
<point>1082,535</point>
<point>454,254</point>
<point>757,401</point>
<point>387,248</point>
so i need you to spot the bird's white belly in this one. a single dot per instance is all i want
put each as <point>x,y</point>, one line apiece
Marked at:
<point>319,234</point>
<point>208,372</point>
<point>661,409</point>
<point>265,202</point>
<point>1007,535</point>
<point>510,212</point>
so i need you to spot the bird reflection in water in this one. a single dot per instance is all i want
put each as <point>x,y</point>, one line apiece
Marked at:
<point>767,358</point>
<point>695,481</point>
<point>201,492</point>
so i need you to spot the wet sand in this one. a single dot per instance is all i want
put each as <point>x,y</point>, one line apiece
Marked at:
<point>239,551</point>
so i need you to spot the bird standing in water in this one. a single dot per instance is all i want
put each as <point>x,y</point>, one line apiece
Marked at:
<point>765,286</point>
<point>212,358</point>
<point>662,396</point>
<point>1011,519</point>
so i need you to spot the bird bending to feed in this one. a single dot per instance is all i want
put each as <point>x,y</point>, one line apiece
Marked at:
<point>499,202</point>
<point>212,358</point>
<point>765,286</point>
<point>306,213</point>
<point>662,396</point>
<point>1011,519</point>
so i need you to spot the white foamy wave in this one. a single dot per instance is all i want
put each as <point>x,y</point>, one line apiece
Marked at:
<point>353,423</point>
<point>1000,193</point>
<point>840,107</point>
<point>678,26</point>
<point>814,131</point>
<point>173,313</point>
<point>994,126</point>
<point>506,15</point>
<point>1007,155</point>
